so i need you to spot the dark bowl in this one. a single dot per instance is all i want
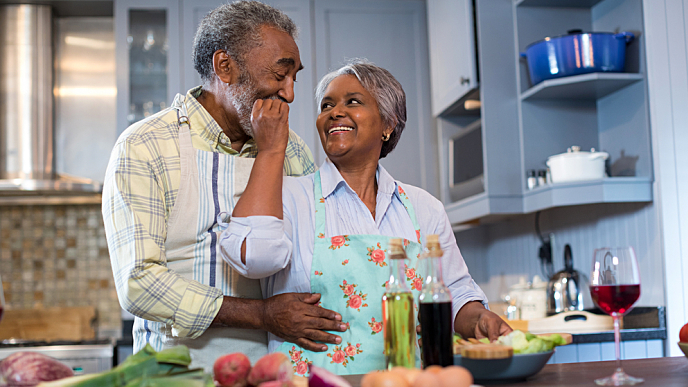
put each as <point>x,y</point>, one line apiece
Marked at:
<point>515,368</point>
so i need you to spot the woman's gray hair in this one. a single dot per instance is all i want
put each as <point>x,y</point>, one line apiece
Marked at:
<point>235,28</point>
<point>381,84</point>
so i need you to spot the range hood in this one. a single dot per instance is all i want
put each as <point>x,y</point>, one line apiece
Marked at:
<point>27,165</point>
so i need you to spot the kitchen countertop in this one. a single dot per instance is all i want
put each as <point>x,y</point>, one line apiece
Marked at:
<point>663,371</point>
<point>641,323</point>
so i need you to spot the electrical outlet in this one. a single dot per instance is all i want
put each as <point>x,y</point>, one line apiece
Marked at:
<point>545,253</point>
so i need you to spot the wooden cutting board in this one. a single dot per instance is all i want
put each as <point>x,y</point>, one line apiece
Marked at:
<point>49,324</point>
<point>487,351</point>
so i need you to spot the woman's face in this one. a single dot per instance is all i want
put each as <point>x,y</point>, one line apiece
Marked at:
<point>349,123</point>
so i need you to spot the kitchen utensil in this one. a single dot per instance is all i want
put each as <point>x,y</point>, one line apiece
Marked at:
<point>563,289</point>
<point>577,165</point>
<point>615,287</point>
<point>572,322</point>
<point>576,53</point>
<point>517,367</point>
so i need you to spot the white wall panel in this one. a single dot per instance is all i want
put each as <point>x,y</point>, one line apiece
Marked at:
<point>666,36</point>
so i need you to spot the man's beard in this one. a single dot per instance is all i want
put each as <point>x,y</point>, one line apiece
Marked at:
<point>243,95</point>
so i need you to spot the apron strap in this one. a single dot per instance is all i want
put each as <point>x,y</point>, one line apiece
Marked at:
<point>185,145</point>
<point>320,215</point>
<point>411,211</point>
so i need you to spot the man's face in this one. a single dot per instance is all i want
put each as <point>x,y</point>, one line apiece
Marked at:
<point>269,73</point>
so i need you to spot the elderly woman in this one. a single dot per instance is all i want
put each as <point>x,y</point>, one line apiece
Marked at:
<point>323,232</point>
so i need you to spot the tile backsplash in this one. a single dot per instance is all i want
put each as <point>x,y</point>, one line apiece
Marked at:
<point>57,256</point>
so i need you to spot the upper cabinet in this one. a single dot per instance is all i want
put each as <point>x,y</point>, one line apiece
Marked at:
<point>451,35</point>
<point>485,156</point>
<point>148,51</point>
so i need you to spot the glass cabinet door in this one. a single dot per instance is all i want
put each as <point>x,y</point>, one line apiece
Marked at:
<point>148,59</point>
<point>148,47</point>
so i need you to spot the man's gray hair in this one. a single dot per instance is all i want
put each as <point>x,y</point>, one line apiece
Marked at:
<point>381,84</point>
<point>235,28</point>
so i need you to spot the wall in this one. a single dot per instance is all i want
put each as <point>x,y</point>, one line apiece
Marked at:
<point>498,254</point>
<point>57,256</point>
<point>666,26</point>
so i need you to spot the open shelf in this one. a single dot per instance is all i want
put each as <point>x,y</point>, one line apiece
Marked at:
<point>458,108</point>
<point>585,86</point>
<point>607,190</point>
<point>557,3</point>
<point>480,206</point>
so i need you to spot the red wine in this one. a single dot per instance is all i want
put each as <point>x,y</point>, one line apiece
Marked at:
<point>615,298</point>
<point>437,333</point>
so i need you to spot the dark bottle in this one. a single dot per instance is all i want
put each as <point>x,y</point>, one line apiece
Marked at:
<point>435,310</point>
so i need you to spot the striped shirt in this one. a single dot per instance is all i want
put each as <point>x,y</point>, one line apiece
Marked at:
<point>141,185</point>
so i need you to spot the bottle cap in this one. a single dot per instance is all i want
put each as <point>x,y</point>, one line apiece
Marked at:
<point>396,249</point>
<point>433,245</point>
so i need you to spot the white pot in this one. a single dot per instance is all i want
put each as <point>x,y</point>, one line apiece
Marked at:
<point>575,165</point>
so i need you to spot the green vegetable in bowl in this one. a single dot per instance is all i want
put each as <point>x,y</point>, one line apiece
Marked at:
<point>524,343</point>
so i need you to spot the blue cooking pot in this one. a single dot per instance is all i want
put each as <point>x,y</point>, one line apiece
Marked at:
<point>576,53</point>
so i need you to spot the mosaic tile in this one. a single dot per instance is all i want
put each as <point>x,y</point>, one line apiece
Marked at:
<point>57,256</point>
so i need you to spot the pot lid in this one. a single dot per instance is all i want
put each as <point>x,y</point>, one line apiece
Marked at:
<point>568,33</point>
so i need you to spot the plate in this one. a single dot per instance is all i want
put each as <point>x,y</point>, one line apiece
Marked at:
<point>515,368</point>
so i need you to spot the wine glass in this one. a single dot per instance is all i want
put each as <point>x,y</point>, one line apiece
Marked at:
<point>615,287</point>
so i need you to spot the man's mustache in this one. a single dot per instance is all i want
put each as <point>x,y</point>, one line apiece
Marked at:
<point>276,97</point>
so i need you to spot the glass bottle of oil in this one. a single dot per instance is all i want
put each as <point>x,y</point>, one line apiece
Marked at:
<point>435,309</point>
<point>399,326</point>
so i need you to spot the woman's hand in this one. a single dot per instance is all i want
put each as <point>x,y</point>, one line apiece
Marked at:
<point>473,320</point>
<point>296,318</point>
<point>270,122</point>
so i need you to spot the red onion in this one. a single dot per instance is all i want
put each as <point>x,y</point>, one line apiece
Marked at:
<point>30,368</point>
<point>321,377</point>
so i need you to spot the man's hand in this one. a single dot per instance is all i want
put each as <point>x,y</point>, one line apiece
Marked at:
<point>473,320</point>
<point>296,318</point>
<point>270,122</point>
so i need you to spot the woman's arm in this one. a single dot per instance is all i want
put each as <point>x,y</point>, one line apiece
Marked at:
<point>469,303</point>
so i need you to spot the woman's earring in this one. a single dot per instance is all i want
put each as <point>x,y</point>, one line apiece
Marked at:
<point>386,137</point>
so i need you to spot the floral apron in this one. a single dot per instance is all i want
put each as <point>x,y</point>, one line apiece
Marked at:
<point>211,184</point>
<point>351,272</point>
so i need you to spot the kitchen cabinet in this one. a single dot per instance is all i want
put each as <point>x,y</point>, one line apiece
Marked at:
<point>400,44</point>
<point>147,48</point>
<point>522,125</point>
<point>452,51</point>
<point>497,191</point>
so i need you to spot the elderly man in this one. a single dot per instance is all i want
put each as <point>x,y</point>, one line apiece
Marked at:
<point>174,177</point>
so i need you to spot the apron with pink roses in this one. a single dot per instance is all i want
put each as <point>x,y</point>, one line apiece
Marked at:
<point>350,272</point>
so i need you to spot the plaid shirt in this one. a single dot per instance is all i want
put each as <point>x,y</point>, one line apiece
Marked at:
<point>141,186</point>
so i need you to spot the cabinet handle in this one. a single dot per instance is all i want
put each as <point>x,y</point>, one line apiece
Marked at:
<point>465,81</point>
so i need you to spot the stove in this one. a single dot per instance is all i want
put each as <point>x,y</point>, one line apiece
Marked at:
<point>85,357</point>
